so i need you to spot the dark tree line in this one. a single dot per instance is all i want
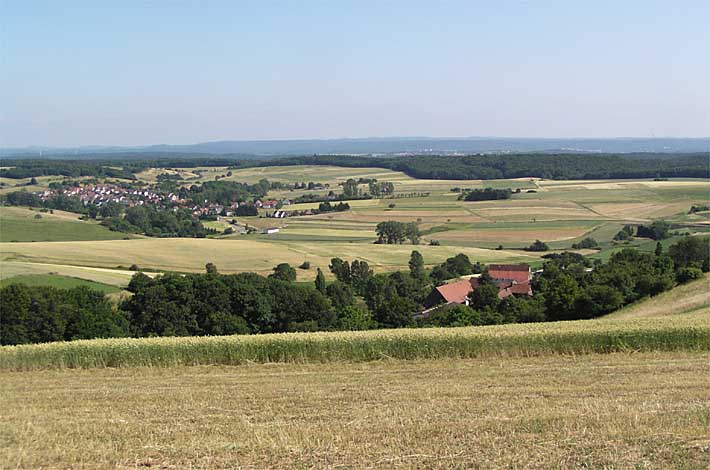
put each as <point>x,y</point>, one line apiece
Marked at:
<point>487,194</point>
<point>393,232</point>
<point>549,166</point>
<point>570,287</point>
<point>226,192</point>
<point>150,221</point>
<point>71,168</point>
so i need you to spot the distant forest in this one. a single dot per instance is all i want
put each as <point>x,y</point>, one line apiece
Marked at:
<point>559,166</point>
<point>548,166</point>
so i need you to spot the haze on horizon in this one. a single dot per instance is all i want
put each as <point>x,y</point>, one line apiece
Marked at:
<point>136,73</point>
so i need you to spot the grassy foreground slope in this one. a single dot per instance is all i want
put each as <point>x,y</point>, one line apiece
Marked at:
<point>688,333</point>
<point>642,410</point>
<point>692,297</point>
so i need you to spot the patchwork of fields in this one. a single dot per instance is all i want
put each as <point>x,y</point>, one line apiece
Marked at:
<point>557,212</point>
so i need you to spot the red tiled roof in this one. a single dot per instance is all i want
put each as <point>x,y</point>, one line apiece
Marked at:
<point>522,288</point>
<point>456,291</point>
<point>510,267</point>
<point>515,272</point>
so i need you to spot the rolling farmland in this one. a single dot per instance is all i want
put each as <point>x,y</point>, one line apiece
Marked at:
<point>558,212</point>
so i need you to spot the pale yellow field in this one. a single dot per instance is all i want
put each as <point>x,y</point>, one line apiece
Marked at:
<point>640,209</point>
<point>114,277</point>
<point>514,236</point>
<point>621,184</point>
<point>233,255</point>
<point>352,204</point>
<point>375,217</point>
<point>23,212</point>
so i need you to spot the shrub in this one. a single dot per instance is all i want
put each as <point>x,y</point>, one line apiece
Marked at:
<point>688,274</point>
<point>585,244</point>
<point>538,246</point>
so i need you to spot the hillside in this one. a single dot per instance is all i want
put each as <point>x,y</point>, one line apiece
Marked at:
<point>692,297</point>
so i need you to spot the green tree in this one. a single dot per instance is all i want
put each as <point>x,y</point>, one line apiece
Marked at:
<point>691,252</point>
<point>341,270</point>
<point>560,291</point>
<point>350,189</point>
<point>485,295</point>
<point>412,233</point>
<point>110,209</point>
<point>320,281</point>
<point>340,294</point>
<point>416,265</point>
<point>284,272</point>
<point>211,268</point>
<point>360,273</point>
<point>352,318</point>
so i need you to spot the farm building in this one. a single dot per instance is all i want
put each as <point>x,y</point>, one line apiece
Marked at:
<point>271,230</point>
<point>512,279</point>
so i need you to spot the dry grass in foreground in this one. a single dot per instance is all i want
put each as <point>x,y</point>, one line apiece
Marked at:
<point>644,410</point>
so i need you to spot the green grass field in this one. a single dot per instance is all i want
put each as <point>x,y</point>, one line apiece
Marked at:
<point>61,282</point>
<point>22,225</point>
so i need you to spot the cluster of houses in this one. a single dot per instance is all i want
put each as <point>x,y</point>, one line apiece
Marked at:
<point>511,279</point>
<point>282,214</point>
<point>99,194</point>
<point>272,203</point>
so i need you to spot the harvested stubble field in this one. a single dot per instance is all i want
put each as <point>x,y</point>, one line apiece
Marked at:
<point>622,410</point>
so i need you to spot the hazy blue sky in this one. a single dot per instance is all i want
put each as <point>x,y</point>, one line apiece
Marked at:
<point>129,73</point>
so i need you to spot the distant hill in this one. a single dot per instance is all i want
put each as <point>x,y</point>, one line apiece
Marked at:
<point>388,146</point>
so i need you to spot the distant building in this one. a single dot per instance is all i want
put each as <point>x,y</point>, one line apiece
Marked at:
<point>511,279</point>
<point>269,231</point>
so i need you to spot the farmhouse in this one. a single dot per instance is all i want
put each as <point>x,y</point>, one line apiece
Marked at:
<point>511,279</point>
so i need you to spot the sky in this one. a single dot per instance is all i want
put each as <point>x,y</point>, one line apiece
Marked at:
<point>146,72</point>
